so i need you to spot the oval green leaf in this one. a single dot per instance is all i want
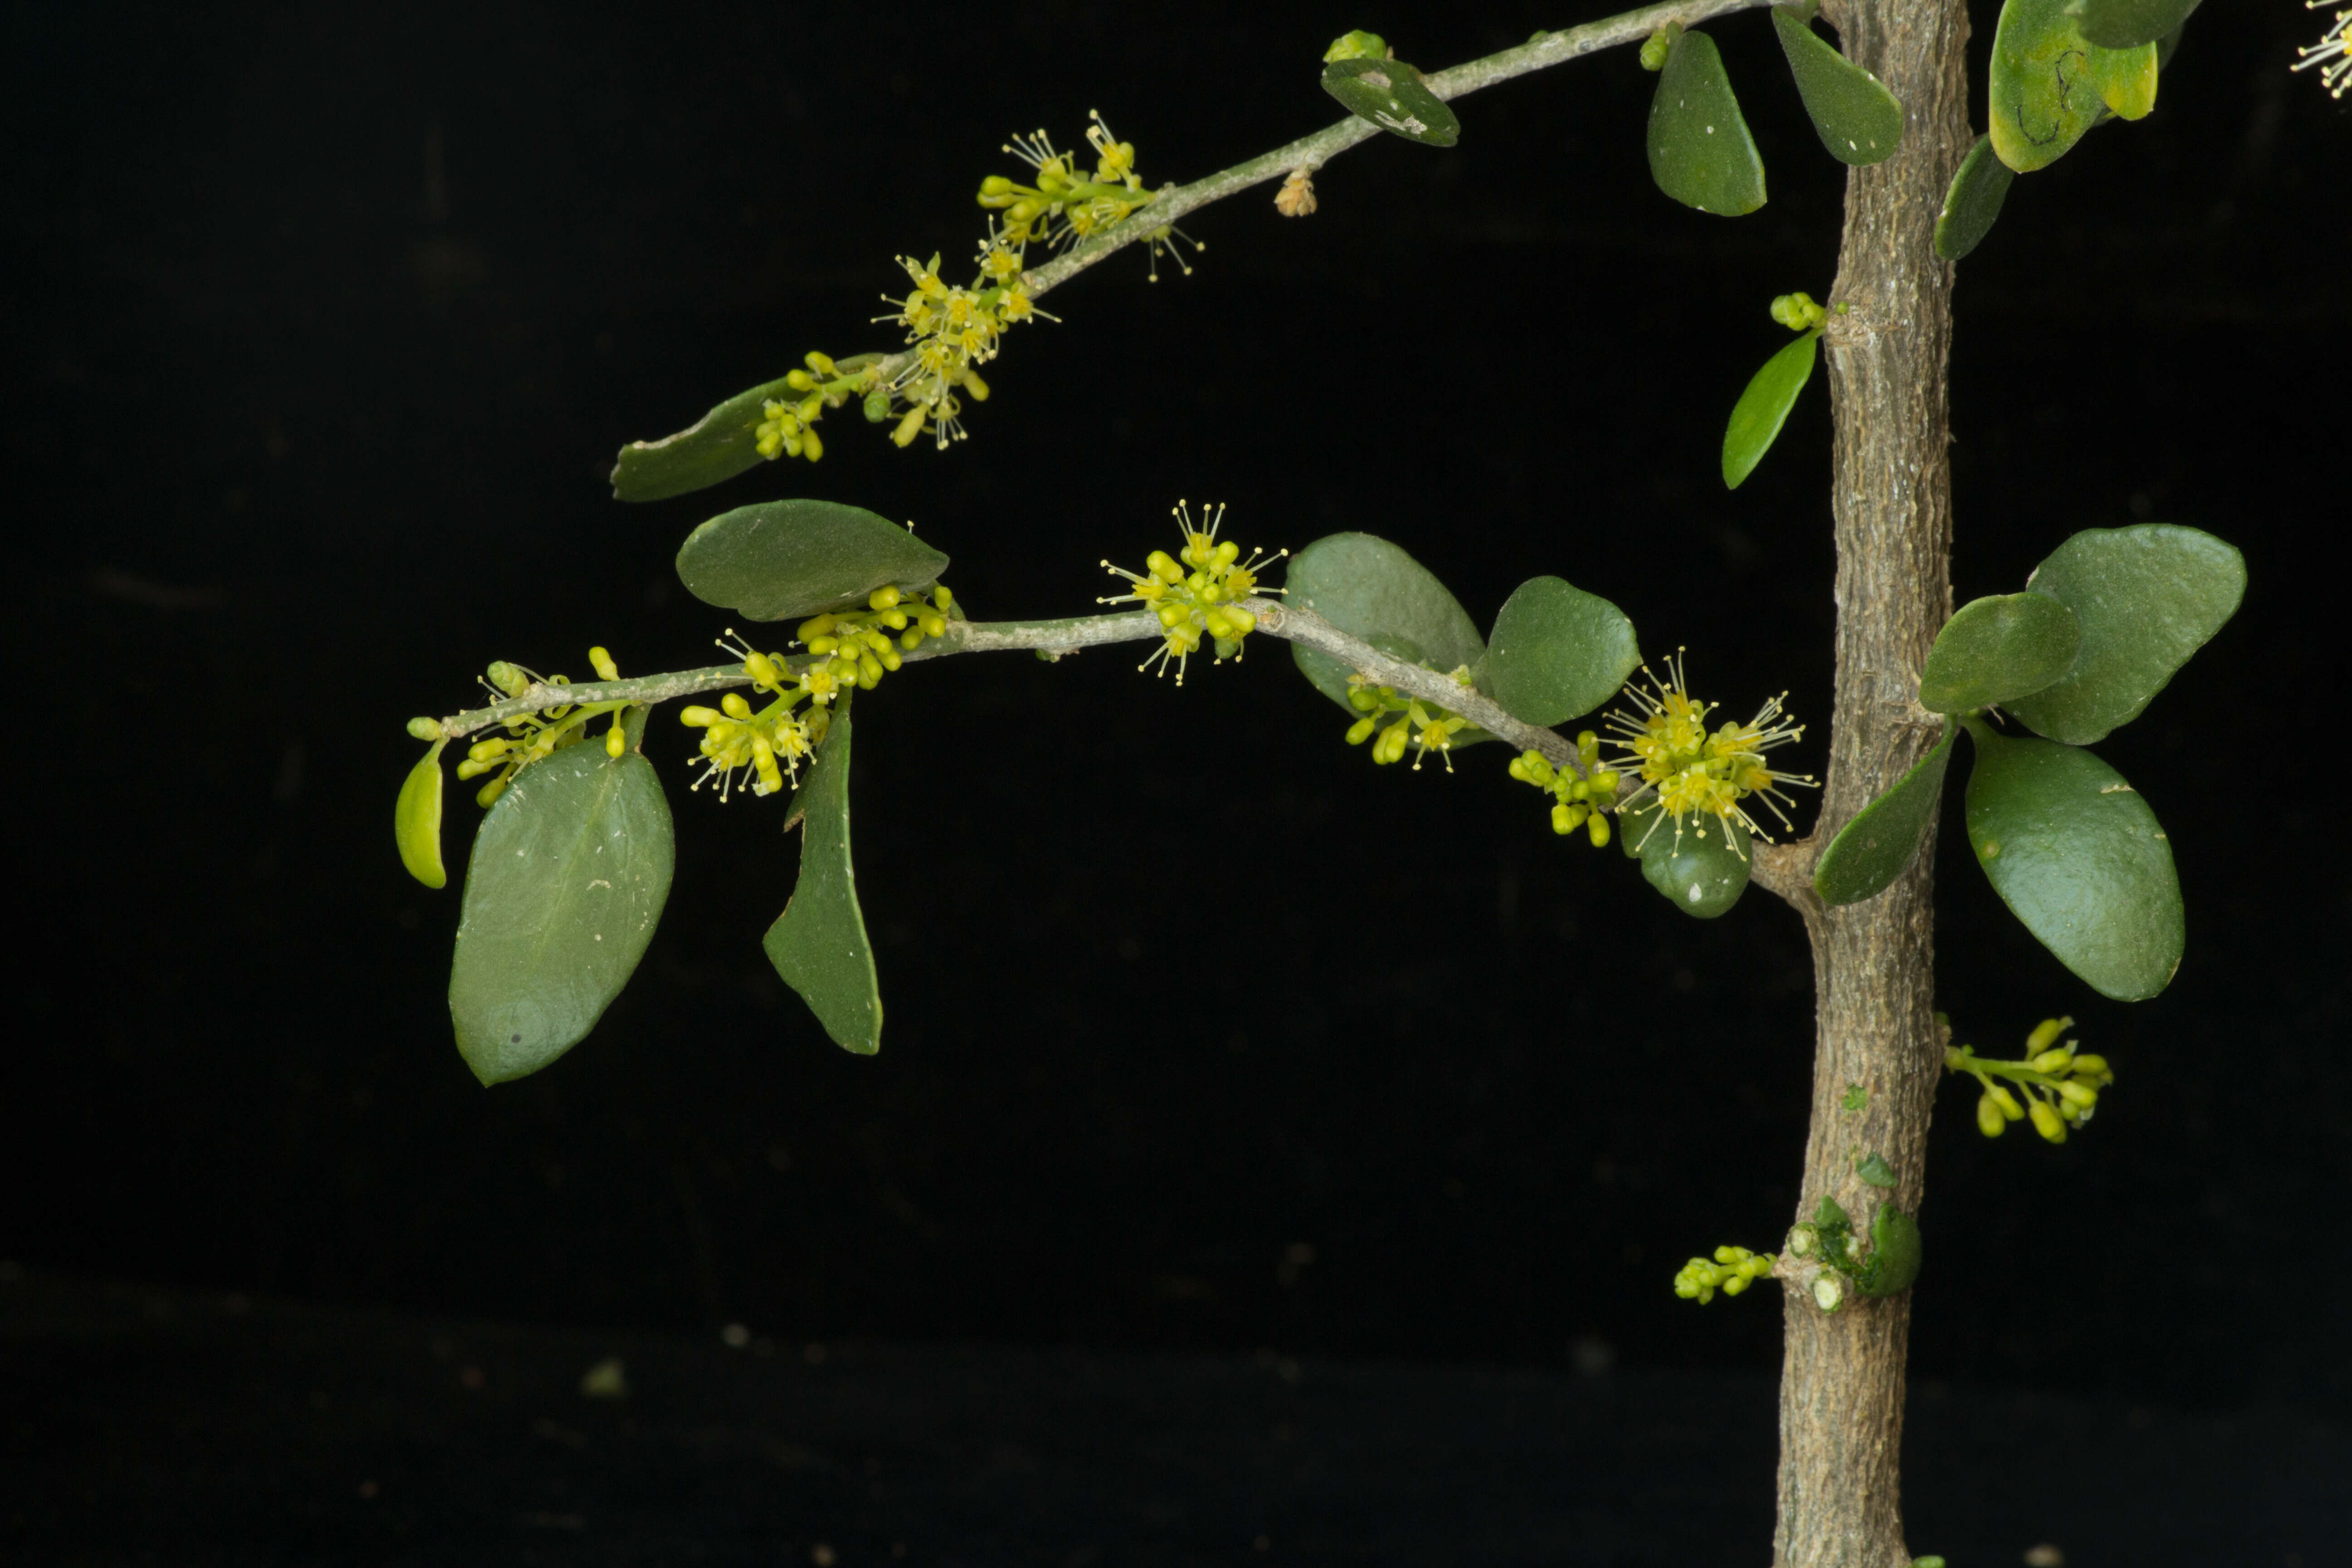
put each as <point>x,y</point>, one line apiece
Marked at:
<point>1973,202</point>
<point>1856,118</point>
<point>2079,857</point>
<point>416,820</point>
<point>2146,597</point>
<point>818,945</point>
<point>567,881</point>
<point>789,558</point>
<point>1391,95</point>
<point>1884,837</point>
<point>1702,871</point>
<point>1372,590</point>
<point>1763,407</point>
<point>1998,649</point>
<point>1557,652</point>
<point>1700,151</point>
<point>2125,80</point>
<point>2046,81</point>
<point>2127,24</point>
<point>1894,1261</point>
<point>715,447</point>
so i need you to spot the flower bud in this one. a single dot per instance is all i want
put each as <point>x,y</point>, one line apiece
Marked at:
<point>735,707</point>
<point>1361,731</point>
<point>2090,1065</point>
<point>1596,828</point>
<point>2058,1061</point>
<point>2045,1034</point>
<point>885,596</point>
<point>697,717</point>
<point>606,669</point>
<point>1999,1095</point>
<point>2047,1123</point>
<point>2081,1096</point>
<point>425,729</point>
<point>1990,1120</point>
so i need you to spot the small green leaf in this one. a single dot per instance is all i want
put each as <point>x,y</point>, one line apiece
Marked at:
<point>1856,1098</point>
<point>2146,597</point>
<point>568,878</point>
<point>787,558</point>
<point>2044,91</point>
<point>1874,1169</point>
<point>1700,151</point>
<point>715,447</point>
<point>1998,649</point>
<point>2127,24</point>
<point>416,820</point>
<point>1557,652</point>
<point>1884,838</point>
<point>1763,408</point>
<point>1372,590</point>
<point>2078,856</point>
<point>818,945</point>
<point>2125,80</point>
<point>1973,202</point>
<point>1702,872</point>
<point>1894,1261</point>
<point>1856,118</point>
<point>1391,95</point>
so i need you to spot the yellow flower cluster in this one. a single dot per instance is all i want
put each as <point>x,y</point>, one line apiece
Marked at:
<point>850,648</point>
<point>1734,1269</point>
<point>1422,724</point>
<point>1196,594</point>
<point>1062,206</point>
<point>2061,1085</point>
<point>1576,798</point>
<point>532,736</point>
<point>955,332</point>
<point>787,427</point>
<point>1694,772</point>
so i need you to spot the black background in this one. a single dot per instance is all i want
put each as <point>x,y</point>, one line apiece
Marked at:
<point>302,433</point>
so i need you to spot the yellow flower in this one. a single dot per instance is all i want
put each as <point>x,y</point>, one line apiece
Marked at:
<point>1199,595</point>
<point>1696,772</point>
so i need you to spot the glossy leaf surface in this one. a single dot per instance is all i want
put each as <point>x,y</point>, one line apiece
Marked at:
<point>416,820</point>
<point>715,447</point>
<point>1884,837</point>
<point>2127,24</point>
<point>1702,871</point>
<point>2042,95</point>
<point>2147,598</point>
<point>1998,649</point>
<point>1856,118</point>
<point>568,878</point>
<point>1763,407</point>
<point>1557,652</point>
<point>787,558</point>
<point>1973,201</point>
<point>1700,151</point>
<point>1390,93</point>
<point>1372,590</point>
<point>818,945</point>
<point>2079,857</point>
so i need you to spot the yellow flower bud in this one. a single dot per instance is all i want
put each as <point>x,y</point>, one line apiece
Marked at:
<point>1596,828</point>
<point>2090,1065</point>
<point>910,427</point>
<point>2080,1096</point>
<point>2058,1061</point>
<point>2007,1101</point>
<point>2045,1034</point>
<point>483,750</point>
<point>1990,1120</point>
<point>697,717</point>
<point>812,445</point>
<point>491,793</point>
<point>799,380</point>
<point>2046,1121</point>
<point>869,671</point>
<point>885,596</point>
<point>735,707</point>
<point>613,742</point>
<point>977,388</point>
<point>942,598</point>
<point>912,640</point>
<point>823,643</point>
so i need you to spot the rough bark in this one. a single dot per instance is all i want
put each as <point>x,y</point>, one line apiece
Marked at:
<point>1843,1375</point>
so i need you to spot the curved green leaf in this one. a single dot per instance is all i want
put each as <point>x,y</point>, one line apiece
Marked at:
<point>2046,83</point>
<point>1702,871</point>
<point>2127,24</point>
<point>1973,202</point>
<point>1557,652</point>
<point>416,820</point>
<point>1391,94</point>
<point>1998,649</point>
<point>1763,407</point>
<point>1894,1261</point>
<point>1884,837</point>
<point>787,558</point>
<point>2146,597</point>
<point>1700,151</point>
<point>2078,856</point>
<point>2125,80</point>
<point>1372,590</point>
<point>1856,118</point>
<point>715,447</point>
<point>818,945</point>
<point>567,880</point>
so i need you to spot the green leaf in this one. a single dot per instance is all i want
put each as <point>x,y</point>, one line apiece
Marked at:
<point>1700,151</point>
<point>2125,80</point>
<point>2127,24</point>
<point>1894,1261</point>
<point>1372,590</point>
<point>1391,94</point>
<point>1856,118</point>
<point>782,559</point>
<point>1996,649</point>
<point>1973,202</point>
<point>2146,597</point>
<point>1884,837</point>
<point>1702,871</point>
<point>416,820</point>
<point>1557,652</point>
<point>1763,408</point>
<point>2078,856</point>
<point>1874,1169</point>
<point>2046,80</point>
<point>818,945</point>
<point>567,880</point>
<point>717,447</point>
